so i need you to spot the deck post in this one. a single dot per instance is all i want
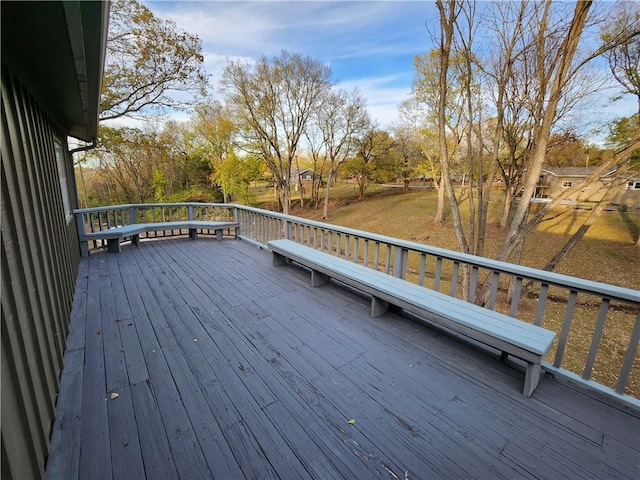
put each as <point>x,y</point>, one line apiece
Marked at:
<point>133,218</point>
<point>80,227</point>
<point>400,262</point>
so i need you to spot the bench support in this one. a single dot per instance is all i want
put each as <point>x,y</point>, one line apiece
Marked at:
<point>531,378</point>
<point>279,260</point>
<point>113,245</point>
<point>318,279</point>
<point>378,307</point>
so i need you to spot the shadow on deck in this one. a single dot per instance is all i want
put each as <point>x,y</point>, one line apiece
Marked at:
<point>199,359</point>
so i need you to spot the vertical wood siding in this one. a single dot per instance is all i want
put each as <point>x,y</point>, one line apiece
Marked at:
<point>39,258</point>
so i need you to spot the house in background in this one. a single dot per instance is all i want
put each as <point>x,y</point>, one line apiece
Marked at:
<point>305,175</point>
<point>52,63</point>
<point>553,181</point>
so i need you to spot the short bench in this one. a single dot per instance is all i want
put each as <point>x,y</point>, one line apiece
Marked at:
<point>509,335</point>
<point>114,236</point>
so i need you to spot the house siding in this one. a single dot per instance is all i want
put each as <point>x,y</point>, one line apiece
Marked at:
<point>40,255</point>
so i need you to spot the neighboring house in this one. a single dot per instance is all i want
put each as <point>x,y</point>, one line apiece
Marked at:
<point>553,181</point>
<point>52,63</point>
<point>304,174</point>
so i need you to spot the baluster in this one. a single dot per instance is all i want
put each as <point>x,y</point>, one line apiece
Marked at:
<point>597,336</point>
<point>454,279</point>
<point>515,299</point>
<point>346,247</point>
<point>423,269</point>
<point>542,300</point>
<point>356,250</point>
<point>387,267</point>
<point>564,334</point>
<point>473,284</point>
<point>366,252</point>
<point>495,283</point>
<point>629,357</point>
<point>438,274</point>
<point>376,258</point>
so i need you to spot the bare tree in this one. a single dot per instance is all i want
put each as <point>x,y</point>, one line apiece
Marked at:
<point>624,57</point>
<point>340,118</point>
<point>272,101</point>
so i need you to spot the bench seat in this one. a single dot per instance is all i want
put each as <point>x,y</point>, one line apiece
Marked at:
<point>507,334</point>
<point>115,235</point>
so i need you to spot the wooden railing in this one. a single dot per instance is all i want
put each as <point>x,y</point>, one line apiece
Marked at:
<point>598,325</point>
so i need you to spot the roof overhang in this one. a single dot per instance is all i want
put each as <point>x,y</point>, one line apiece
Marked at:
<point>58,50</point>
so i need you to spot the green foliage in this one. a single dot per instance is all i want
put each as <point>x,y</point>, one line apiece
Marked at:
<point>235,174</point>
<point>621,132</point>
<point>159,186</point>
<point>148,59</point>
<point>373,161</point>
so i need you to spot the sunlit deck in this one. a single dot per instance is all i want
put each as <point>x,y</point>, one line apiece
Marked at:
<point>225,366</point>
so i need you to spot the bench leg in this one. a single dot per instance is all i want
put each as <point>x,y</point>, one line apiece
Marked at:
<point>193,233</point>
<point>136,239</point>
<point>378,307</point>
<point>318,279</point>
<point>531,379</point>
<point>113,245</point>
<point>279,260</point>
<point>219,234</point>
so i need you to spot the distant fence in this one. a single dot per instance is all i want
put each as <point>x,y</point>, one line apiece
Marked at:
<point>598,325</point>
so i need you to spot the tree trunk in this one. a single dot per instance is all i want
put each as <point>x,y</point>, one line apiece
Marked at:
<point>439,218</point>
<point>447,20</point>
<point>506,209</point>
<point>325,210</point>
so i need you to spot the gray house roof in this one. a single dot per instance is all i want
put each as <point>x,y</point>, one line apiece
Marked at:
<point>577,172</point>
<point>70,37</point>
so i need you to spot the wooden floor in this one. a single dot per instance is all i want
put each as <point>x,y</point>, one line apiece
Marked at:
<point>199,359</point>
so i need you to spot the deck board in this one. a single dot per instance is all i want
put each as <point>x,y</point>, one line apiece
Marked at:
<point>228,367</point>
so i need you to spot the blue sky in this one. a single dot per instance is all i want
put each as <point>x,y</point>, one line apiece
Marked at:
<point>368,44</point>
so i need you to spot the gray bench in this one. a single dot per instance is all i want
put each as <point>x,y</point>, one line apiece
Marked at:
<point>509,335</point>
<point>114,236</point>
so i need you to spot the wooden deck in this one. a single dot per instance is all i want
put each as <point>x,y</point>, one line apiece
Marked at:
<point>199,359</point>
